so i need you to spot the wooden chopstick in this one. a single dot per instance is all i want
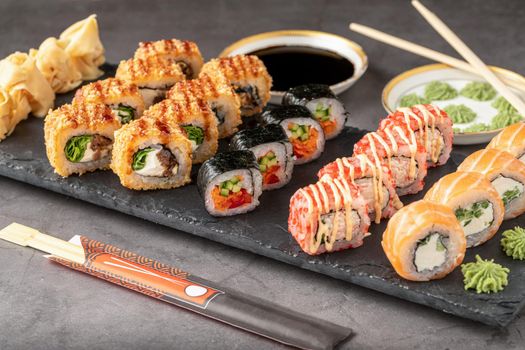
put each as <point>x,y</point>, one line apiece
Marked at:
<point>470,56</point>
<point>427,53</point>
<point>27,236</point>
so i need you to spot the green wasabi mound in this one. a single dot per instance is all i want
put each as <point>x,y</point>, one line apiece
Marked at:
<point>412,99</point>
<point>502,120</point>
<point>513,243</point>
<point>502,105</point>
<point>478,91</point>
<point>438,90</point>
<point>485,276</point>
<point>478,127</point>
<point>460,114</point>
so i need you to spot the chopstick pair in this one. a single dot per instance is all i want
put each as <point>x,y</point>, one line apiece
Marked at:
<point>475,64</point>
<point>179,288</point>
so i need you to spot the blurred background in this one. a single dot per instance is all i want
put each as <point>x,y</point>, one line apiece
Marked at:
<point>80,312</point>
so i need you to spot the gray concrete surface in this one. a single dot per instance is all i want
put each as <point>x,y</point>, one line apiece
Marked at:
<point>45,306</point>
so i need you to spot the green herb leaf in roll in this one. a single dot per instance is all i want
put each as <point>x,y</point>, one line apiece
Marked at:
<point>139,158</point>
<point>76,147</point>
<point>125,113</point>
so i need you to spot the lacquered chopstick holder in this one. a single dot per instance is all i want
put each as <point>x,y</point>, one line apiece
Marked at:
<point>204,297</point>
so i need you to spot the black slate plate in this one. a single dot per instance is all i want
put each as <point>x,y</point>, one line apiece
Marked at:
<point>264,231</point>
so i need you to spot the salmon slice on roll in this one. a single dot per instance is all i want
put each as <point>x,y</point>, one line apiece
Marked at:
<point>512,140</point>
<point>475,202</point>
<point>328,216</point>
<point>430,125</point>
<point>375,184</point>
<point>405,157</point>
<point>424,241</point>
<point>505,172</point>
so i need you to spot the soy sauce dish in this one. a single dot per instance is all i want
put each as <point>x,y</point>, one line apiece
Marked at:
<point>297,57</point>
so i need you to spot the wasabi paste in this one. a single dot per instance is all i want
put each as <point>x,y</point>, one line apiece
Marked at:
<point>485,276</point>
<point>513,243</point>
<point>473,128</point>
<point>438,90</point>
<point>502,105</point>
<point>460,114</point>
<point>478,91</point>
<point>502,120</point>
<point>411,100</point>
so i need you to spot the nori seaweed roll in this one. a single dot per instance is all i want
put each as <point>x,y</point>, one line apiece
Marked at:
<point>273,152</point>
<point>230,183</point>
<point>324,105</point>
<point>304,132</point>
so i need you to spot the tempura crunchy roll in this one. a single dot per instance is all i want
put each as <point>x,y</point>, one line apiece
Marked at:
<point>122,97</point>
<point>153,75</point>
<point>79,137</point>
<point>248,76</point>
<point>197,123</point>
<point>151,153</point>
<point>219,96</point>
<point>185,54</point>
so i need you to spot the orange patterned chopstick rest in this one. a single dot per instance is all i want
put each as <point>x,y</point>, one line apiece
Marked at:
<point>179,288</point>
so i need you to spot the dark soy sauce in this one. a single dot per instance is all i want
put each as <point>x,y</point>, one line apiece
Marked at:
<point>290,66</point>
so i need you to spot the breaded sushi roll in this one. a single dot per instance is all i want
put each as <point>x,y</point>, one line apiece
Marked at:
<point>249,78</point>
<point>151,153</point>
<point>219,95</point>
<point>512,140</point>
<point>475,202</point>
<point>79,138</point>
<point>322,103</point>
<point>505,172</point>
<point>405,156</point>
<point>304,132</point>
<point>424,241</point>
<point>197,122</point>
<point>273,152</point>
<point>153,75</point>
<point>122,97</point>
<point>375,184</point>
<point>328,216</point>
<point>230,183</point>
<point>430,125</point>
<point>185,54</point>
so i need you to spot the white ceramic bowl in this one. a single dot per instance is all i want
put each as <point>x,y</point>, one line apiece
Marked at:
<point>320,40</point>
<point>414,81</point>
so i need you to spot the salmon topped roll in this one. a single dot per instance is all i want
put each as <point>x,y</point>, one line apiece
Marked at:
<point>423,241</point>
<point>512,140</point>
<point>151,153</point>
<point>79,137</point>
<point>328,216</point>
<point>304,132</point>
<point>185,54</point>
<point>405,157</point>
<point>430,125</point>
<point>322,103</point>
<point>505,172</point>
<point>218,94</point>
<point>249,78</point>
<point>153,75</point>
<point>122,97</point>
<point>375,184</point>
<point>475,202</point>
<point>197,123</point>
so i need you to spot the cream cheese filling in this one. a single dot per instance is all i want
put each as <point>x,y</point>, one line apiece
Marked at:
<point>430,254</point>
